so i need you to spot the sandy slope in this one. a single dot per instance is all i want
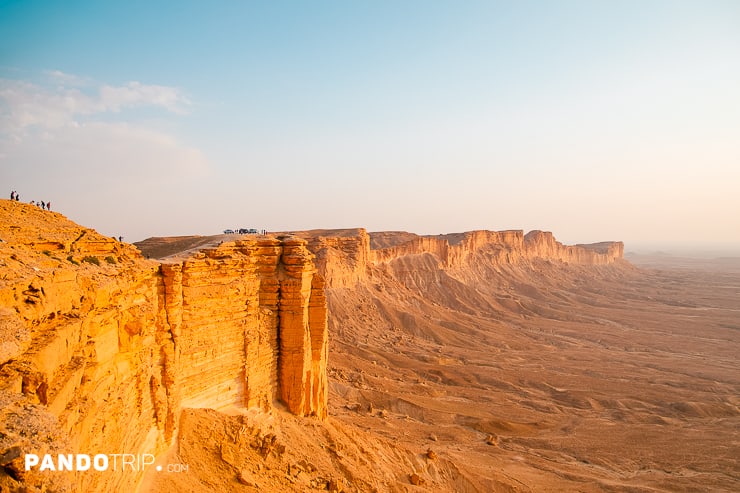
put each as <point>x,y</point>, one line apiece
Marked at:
<point>588,379</point>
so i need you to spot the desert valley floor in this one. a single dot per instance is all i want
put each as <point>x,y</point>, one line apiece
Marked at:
<point>536,377</point>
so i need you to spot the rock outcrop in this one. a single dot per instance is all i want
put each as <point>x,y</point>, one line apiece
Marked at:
<point>500,247</point>
<point>251,315</point>
<point>113,346</point>
<point>344,256</point>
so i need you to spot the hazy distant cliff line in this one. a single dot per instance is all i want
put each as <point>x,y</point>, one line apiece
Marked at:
<point>344,255</point>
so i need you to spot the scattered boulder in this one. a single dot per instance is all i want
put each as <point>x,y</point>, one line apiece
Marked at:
<point>416,480</point>
<point>319,483</point>
<point>335,486</point>
<point>492,440</point>
<point>246,478</point>
<point>306,466</point>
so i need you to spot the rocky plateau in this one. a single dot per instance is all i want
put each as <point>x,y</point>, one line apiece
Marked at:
<point>344,360</point>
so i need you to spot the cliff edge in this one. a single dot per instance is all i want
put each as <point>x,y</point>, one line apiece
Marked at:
<point>344,257</point>
<point>101,349</point>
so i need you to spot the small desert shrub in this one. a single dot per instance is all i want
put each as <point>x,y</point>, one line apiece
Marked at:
<point>47,253</point>
<point>91,259</point>
<point>71,259</point>
<point>110,260</point>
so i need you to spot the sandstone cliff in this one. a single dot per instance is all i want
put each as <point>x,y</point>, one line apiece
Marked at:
<point>344,256</point>
<point>501,247</point>
<point>101,349</point>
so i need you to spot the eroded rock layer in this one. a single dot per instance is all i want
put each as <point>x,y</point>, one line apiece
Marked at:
<point>343,256</point>
<point>110,347</point>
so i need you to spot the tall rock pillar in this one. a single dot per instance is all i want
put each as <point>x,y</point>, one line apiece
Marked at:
<point>301,367</point>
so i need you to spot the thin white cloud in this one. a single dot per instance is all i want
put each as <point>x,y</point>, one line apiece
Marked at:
<point>24,105</point>
<point>65,79</point>
<point>96,151</point>
<point>75,144</point>
<point>137,94</point>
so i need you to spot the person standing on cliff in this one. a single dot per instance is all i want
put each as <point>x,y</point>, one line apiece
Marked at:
<point>12,195</point>
<point>48,206</point>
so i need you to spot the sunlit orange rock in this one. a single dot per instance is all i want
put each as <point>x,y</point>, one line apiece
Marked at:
<point>114,346</point>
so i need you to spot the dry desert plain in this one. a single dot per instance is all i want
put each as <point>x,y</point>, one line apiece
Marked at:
<point>538,376</point>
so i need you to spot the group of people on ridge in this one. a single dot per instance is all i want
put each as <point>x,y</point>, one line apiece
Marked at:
<point>44,205</point>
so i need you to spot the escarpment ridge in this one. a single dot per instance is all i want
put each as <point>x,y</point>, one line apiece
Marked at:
<point>513,246</point>
<point>520,364</point>
<point>101,349</point>
<point>104,351</point>
<point>343,256</point>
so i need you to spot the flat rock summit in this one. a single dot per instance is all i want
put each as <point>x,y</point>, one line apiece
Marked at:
<point>343,360</point>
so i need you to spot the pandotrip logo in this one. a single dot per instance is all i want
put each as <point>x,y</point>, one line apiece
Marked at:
<point>97,462</point>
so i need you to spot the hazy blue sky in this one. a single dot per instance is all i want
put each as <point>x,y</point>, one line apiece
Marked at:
<point>595,120</point>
